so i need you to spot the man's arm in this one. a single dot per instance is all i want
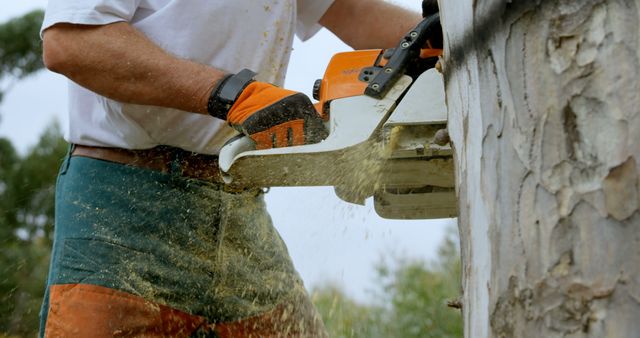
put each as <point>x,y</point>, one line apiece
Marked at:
<point>119,62</point>
<point>368,24</point>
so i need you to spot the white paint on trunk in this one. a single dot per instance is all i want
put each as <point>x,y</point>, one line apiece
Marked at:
<point>466,134</point>
<point>544,116</point>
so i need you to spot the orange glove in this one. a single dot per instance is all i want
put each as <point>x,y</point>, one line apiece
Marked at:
<point>271,116</point>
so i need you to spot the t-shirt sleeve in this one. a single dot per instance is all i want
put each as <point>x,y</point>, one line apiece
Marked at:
<point>309,13</point>
<point>88,12</point>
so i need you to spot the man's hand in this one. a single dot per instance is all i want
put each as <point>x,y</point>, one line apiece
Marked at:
<point>276,117</point>
<point>271,116</point>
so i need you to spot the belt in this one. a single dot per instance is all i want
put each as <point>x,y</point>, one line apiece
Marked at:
<point>162,158</point>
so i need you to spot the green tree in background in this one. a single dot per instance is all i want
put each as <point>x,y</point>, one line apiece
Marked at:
<point>418,294</point>
<point>26,190</point>
<point>26,221</point>
<point>20,48</point>
<point>411,303</point>
<point>344,317</point>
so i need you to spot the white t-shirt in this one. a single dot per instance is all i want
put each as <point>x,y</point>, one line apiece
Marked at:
<point>229,35</point>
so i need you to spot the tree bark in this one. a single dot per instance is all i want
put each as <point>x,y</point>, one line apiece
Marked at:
<point>544,100</point>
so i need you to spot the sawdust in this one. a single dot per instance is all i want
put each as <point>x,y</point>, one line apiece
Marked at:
<point>393,139</point>
<point>183,243</point>
<point>360,174</point>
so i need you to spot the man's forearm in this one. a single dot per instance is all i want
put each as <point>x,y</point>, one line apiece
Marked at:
<point>365,24</point>
<point>119,62</point>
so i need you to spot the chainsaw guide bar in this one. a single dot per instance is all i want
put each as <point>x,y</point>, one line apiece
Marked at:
<point>376,147</point>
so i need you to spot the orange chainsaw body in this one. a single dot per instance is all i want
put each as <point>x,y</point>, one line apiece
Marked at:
<point>344,77</point>
<point>341,78</point>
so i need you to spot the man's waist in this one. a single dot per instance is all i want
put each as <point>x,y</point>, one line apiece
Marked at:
<point>162,158</point>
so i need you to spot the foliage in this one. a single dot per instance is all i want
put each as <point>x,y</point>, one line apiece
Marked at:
<point>342,316</point>
<point>26,221</point>
<point>412,302</point>
<point>26,191</point>
<point>20,46</point>
<point>418,295</point>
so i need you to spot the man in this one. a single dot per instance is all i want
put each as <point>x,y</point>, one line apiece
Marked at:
<point>148,240</point>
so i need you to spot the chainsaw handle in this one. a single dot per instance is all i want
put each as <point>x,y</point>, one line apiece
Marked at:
<point>408,50</point>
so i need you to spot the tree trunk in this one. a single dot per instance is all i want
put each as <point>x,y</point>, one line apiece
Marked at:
<point>543,100</point>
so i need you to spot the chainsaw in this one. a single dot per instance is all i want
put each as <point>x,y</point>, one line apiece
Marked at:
<point>385,114</point>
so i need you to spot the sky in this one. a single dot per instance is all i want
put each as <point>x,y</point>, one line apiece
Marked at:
<point>330,241</point>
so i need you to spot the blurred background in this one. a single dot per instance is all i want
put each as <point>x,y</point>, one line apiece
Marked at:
<point>368,276</point>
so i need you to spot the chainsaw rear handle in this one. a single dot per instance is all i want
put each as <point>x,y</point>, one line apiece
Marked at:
<point>407,51</point>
